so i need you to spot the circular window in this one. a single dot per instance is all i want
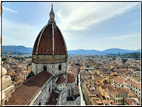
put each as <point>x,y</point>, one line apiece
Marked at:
<point>60,67</point>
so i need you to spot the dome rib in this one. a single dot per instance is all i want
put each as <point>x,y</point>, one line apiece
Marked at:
<point>37,51</point>
<point>44,44</point>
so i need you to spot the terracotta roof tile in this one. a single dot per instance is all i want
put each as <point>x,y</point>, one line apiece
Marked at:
<point>25,92</point>
<point>117,90</point>
<point>45,42</point>
<point>61,79</point>
<point>91,91</point>
<point>60,46</point>
<point>21,77</point>
<point>130,101</point>
<point>110,102</point>
<point>134,84</point>
<point>119,79</point>
<point>71,77</point>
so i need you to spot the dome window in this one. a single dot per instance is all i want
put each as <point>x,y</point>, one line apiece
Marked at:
<point>60,67</point>
<point>44,68</point>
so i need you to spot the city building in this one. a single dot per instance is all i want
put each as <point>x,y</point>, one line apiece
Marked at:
<point>135,87</point>
<point>131,101</point>
<point>118,94</point>
<point>118,81</point>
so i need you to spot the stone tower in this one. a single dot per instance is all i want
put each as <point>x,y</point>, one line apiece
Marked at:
<point>50,52</point>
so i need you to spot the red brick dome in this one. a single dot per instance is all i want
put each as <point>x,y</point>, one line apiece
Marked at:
<point>50,40</point>
<point>71,78</point>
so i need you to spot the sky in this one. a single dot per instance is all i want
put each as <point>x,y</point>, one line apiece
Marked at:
<point>84,25</point>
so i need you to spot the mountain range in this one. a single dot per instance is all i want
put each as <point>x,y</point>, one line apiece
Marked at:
<point>27,50</point>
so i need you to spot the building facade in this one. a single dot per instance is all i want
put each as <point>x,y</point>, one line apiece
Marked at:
<point>118,94</point>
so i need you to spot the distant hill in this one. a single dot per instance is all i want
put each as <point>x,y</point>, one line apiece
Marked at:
<point>105,52</point>
<point>117,50</point>
<point>12,49</point>
<point>83,52</point>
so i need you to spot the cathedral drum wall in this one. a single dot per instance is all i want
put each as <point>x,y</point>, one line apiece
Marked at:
<point>54,82</point>
<point>60,68</point>
<point>54,69</point>
<point>34,67</point>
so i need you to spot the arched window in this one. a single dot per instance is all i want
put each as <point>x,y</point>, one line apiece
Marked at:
<point>60,67</point>
<point>44,68</point>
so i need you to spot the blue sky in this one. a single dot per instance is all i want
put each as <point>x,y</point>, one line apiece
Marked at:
<point>84,25</point>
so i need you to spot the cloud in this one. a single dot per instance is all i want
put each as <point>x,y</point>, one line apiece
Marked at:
<point>75,21</point>
<point>8,9</point>
<point>14,33</point>
<point>80,16</point>
<point>124,37</point>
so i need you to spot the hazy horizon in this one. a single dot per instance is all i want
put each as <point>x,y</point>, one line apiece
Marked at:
<point>77,49</point>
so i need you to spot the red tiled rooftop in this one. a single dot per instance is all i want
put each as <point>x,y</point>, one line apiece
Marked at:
<point>119,79</point>
<point>71,77</point>
<point>117,90</point>
<point>110,102</point>
<point>21,77</point>
<point>61,79</point>
<point>18,82</point>
<point>24,93</point>
<point>130,101</point>
<point>91,91</point>
<point>134,84</point>
<point>96,101</point>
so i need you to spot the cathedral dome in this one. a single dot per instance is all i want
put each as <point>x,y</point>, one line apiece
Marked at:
<point>50,40</point>
<point>71,78</point>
